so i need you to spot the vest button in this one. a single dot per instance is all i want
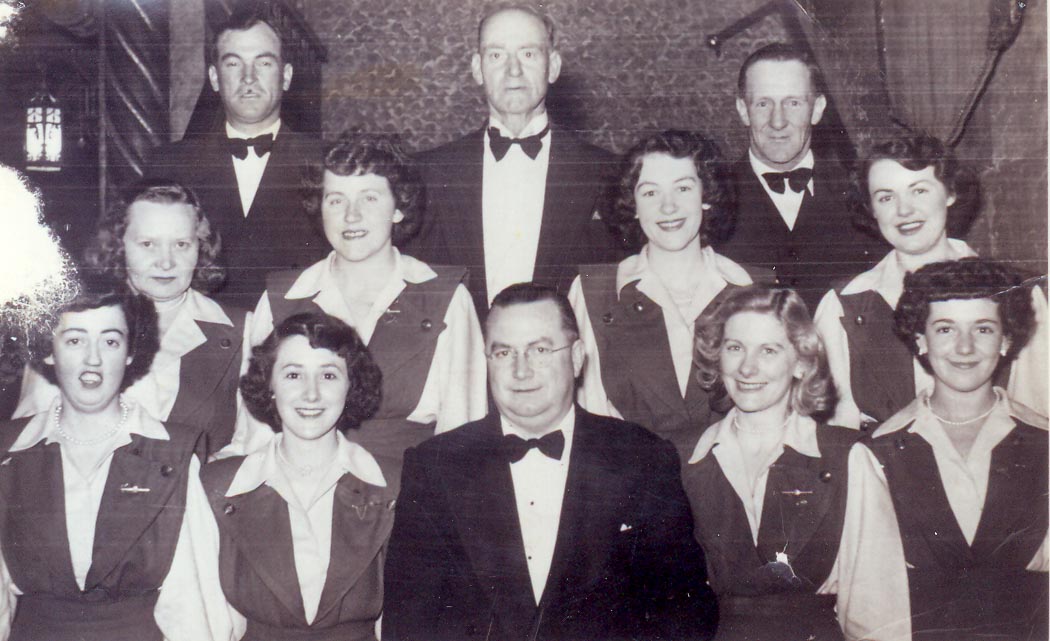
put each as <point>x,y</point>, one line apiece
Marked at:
<point>229,509</point>
<point>638,307</point>
<point>608,318</point>
<point>166,470</point>
<point>426,324</point>
<point>825,476</point>
<point>859,320</point>
<point>225,343</point>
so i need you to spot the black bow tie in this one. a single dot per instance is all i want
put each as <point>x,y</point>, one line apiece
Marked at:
<point>239,146</point>
<point>552,445</point>
<point>500,144</point>
<point>796,178</point>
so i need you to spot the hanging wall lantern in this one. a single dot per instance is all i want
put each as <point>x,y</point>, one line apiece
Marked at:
<point>43,132</point>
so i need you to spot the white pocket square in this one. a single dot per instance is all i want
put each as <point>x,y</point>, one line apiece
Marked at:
<point>624,527</point>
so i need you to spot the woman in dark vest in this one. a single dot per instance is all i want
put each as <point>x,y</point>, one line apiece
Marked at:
<point>637,318</point>
<point>303,522</point>
<point>962,470</point>
<point>767,483</point>
<point>161,243</point>
<point>97,496</point>
<point>418,321</point>
<point>912,191</point>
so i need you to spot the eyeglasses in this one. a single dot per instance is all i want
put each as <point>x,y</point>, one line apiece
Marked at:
<point>538,356</point>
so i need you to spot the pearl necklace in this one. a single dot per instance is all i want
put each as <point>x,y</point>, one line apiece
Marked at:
<point>967,421</point>
<point>759,431</point>
<point>72,440</point>
<point>303,470</point>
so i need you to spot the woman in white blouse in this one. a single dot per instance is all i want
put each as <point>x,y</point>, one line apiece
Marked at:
<point>161,243</point>
<point>636,319</point>
<point>92,529</point>
<point>418,321</point>
<point>962,470</point>
<point>303,522</point>
<point>916,195</point>
<point>767,483</point>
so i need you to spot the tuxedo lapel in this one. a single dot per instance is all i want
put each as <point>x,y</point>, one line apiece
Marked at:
<point>124,515</point>
<point>561,225</point>
<point>464,231</point>
<point>482,493</point>
<point>259,524</point>
<point>592,509</point>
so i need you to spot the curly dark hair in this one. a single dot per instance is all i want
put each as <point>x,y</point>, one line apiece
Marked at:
<point>814,395</point>
<point>357,153</point>
<point>916,150</point>
<point>97,291</point>
<point>965,279</point>
<point>710,168</point>
<point>323,332</point>
<point>106,252</point>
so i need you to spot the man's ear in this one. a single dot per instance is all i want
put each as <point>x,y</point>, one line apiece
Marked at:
<point>741,110</point>
<point>553,67</point>
<point>475,69</point>
<point>577,357</point>
<point>287,76</point>
<point>819,105</point>
<point>213,77</point>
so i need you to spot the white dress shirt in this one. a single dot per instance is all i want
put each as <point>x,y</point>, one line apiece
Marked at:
<point>250,170</point>
<point>513,190</point>
<point>788,203</point>
<point>157,390</point>
<point>539,489</point>
<point>679,323</point>
<point>1028,375</point>
<point>180,611</point>
<point>454,392</point>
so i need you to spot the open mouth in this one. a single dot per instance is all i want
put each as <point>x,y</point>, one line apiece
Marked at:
<point>90,380</point>
<point>355,234</point>
<point>749,387</point>
<point>164,280</point>
<point>307,412</point>
<point>671,225</point>
<point>910,228</point>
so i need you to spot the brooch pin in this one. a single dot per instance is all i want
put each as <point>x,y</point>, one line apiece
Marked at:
<point>128,488</point>
<point>796,492</point>
<point>624,527</point>
<point>362,509</point>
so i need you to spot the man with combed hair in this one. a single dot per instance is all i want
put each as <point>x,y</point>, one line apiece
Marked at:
<point>248,175</point>
<point>518,199</point>
<point>542,521</point>
<point>793,215</point>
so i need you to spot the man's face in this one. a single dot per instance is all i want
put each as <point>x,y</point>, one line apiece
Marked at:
<point>532,395</point>
<point>780,107</point>
<point>515,64</point>
<point>250,77</point>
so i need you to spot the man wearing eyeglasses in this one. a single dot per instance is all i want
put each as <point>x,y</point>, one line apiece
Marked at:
<point>542,521</point>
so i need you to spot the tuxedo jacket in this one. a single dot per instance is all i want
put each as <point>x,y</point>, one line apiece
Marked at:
<point>276,234</point>
<point>571,231</point>
<point>824,247</point>
<point>625,563</point>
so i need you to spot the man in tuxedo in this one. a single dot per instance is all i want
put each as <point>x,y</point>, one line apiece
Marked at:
<point>517,200</point>
<point>793,215</point>
<point>247,176</point>
<point>542,521</point>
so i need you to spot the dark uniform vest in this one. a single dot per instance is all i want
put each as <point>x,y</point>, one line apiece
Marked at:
<point>636,366</point>
<point>402,345</point>
<point>135,537</point>
<point>257,562</point>
<point>960,591</point>
<point>802,516</point>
